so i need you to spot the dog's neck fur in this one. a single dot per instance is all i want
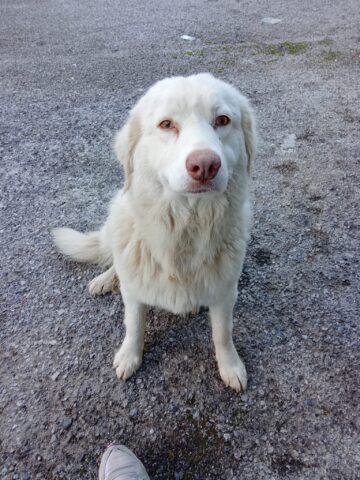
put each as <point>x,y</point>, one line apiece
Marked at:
<point>184,233</point>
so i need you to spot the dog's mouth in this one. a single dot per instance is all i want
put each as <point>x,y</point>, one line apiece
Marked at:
<point>197,188</point>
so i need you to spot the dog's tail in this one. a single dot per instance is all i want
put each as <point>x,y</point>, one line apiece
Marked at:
<point>88,247</point>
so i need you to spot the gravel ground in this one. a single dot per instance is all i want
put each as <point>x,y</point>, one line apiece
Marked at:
<point>70,71</point>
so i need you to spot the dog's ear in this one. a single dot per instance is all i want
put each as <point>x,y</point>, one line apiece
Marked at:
<point>125,143</point>
<point>249,129</point>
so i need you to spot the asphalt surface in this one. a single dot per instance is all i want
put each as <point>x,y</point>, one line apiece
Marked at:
<point>70,72</point>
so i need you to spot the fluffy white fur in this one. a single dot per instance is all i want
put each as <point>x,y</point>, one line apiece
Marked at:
<point>170,247</point>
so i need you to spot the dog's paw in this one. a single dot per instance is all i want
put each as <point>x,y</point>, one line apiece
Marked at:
<point>232,370</point>
<point>127,360</point>
<point>101,285</point>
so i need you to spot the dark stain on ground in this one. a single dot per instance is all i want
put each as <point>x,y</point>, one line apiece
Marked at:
<point>244,280</point>
<point>187,454</point>
<point>314,209</point>
<point>286,168</point>
<point>307,134</point>
<point>315,198</point>
<point>321,241</point>
<point>286,464</point>
<point>262,256</point>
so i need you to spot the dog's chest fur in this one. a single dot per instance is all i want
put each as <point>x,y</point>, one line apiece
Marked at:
<point>180,255</point>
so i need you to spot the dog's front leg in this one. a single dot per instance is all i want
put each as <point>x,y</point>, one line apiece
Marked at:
<point>231,368</point>
<point>129,357</point>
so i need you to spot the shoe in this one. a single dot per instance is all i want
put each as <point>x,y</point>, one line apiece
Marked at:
<point>120,463</point>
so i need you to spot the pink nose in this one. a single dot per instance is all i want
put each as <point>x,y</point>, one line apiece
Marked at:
<point>203,165</point>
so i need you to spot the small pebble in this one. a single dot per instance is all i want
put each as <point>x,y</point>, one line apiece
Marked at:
<point>66,423</point>
<point>54,376</point>
<point>195,414</point>
<point>188,38</point>
<point>271,20</point>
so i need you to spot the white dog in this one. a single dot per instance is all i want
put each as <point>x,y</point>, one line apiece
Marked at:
<point>176,232</point>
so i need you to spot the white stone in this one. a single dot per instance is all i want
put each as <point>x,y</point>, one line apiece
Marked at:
<point>271,20</point>
<point>289,142</point>
<point>55,375</point>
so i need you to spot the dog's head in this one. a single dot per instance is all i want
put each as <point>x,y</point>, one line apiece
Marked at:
<point>187,134</point>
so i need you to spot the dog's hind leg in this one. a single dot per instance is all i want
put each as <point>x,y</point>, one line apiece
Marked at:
<point>104,283</point>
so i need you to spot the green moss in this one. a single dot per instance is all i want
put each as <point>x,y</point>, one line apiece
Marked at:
<point>280,49</point>
<point>226,48</point>
<point>197,53</point>
<point>273,50</point>
<point>228,62</point>
<point>331,55</point>
<point>294,48</point>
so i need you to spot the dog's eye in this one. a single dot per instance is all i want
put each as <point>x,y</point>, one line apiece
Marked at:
<point>222,121</point>
<point>167,125</point>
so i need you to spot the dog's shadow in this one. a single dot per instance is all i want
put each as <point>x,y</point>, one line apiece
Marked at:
<point>179,332</point>
<point>176,341</point>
